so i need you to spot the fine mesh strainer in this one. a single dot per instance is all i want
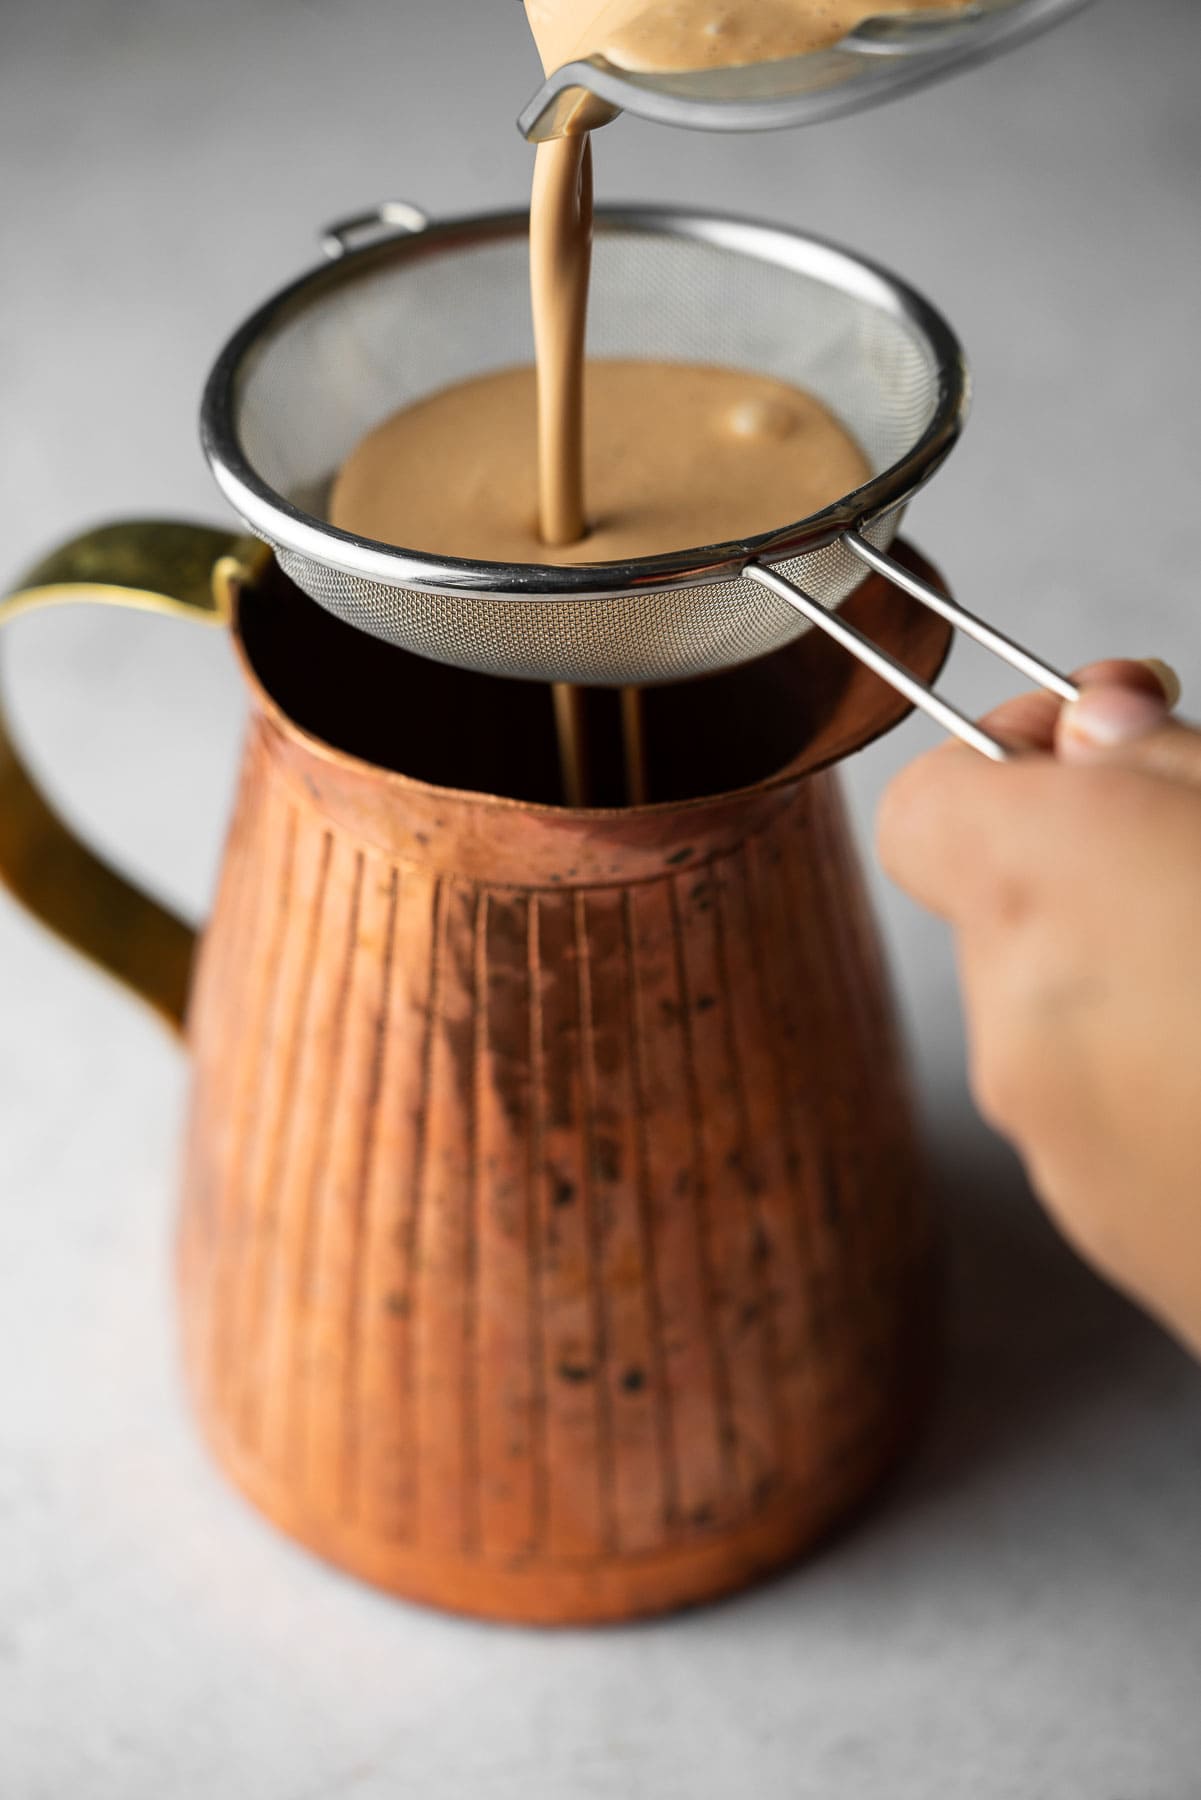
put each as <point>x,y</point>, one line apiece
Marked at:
<point>396,317</point>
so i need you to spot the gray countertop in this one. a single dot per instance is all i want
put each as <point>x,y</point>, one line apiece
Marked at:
<point>1021,1614</point>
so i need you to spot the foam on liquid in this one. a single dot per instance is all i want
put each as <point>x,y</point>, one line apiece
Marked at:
<point>675,456</point>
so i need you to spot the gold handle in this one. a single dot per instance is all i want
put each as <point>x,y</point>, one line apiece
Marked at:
<point>189,571</point>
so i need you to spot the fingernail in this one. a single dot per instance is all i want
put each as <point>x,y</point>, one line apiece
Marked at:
<point>1104,717</point>
<point>1166,676</point>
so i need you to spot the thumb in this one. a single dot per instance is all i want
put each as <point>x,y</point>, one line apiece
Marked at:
<point>1131,727</point>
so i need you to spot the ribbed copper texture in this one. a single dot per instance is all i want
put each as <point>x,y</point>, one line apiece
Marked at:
<point>554,1245</point>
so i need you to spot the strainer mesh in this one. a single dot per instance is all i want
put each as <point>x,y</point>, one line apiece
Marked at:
<point>406,327</point>
<point>628,638</point>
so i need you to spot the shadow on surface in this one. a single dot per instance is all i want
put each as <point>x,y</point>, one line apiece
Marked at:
<point>1034,1339</point>
<point>1045,1368</point>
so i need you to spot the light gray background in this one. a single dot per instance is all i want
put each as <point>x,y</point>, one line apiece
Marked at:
<point>1023,1616</point>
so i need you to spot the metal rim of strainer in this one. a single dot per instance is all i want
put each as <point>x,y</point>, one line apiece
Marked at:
<point>285,526</point>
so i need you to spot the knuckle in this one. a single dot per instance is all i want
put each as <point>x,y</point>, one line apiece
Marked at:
<point>1013,900</point>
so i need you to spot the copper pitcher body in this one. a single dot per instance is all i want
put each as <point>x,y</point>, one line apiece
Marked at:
<point>554,1243</point>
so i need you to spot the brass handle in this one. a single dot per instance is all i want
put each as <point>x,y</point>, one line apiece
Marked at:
<point>186,570</point>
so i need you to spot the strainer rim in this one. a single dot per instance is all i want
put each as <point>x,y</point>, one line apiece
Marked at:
<point>286,526</point>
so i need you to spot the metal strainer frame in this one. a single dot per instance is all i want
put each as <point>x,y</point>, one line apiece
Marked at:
<point>393,592</point>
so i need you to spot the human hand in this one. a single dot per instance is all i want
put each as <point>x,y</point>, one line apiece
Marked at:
<point>1072,879</point>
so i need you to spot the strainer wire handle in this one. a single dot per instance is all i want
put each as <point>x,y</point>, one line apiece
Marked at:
<point>894,672</point>
<point>1013,653</point>
<point>881,663</point>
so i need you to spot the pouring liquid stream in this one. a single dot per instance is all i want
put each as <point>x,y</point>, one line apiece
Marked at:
<point>687,35</point>
<point>560,270</point>
<point>674,454</point>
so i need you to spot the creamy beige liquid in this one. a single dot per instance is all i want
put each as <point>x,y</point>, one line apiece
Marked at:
<point>668,35</point>
<point>676,456</point>
<point>560,266</point>
<point>701,34</point>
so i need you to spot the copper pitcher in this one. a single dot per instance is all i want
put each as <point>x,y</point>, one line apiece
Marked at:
<point>554,1246</point>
